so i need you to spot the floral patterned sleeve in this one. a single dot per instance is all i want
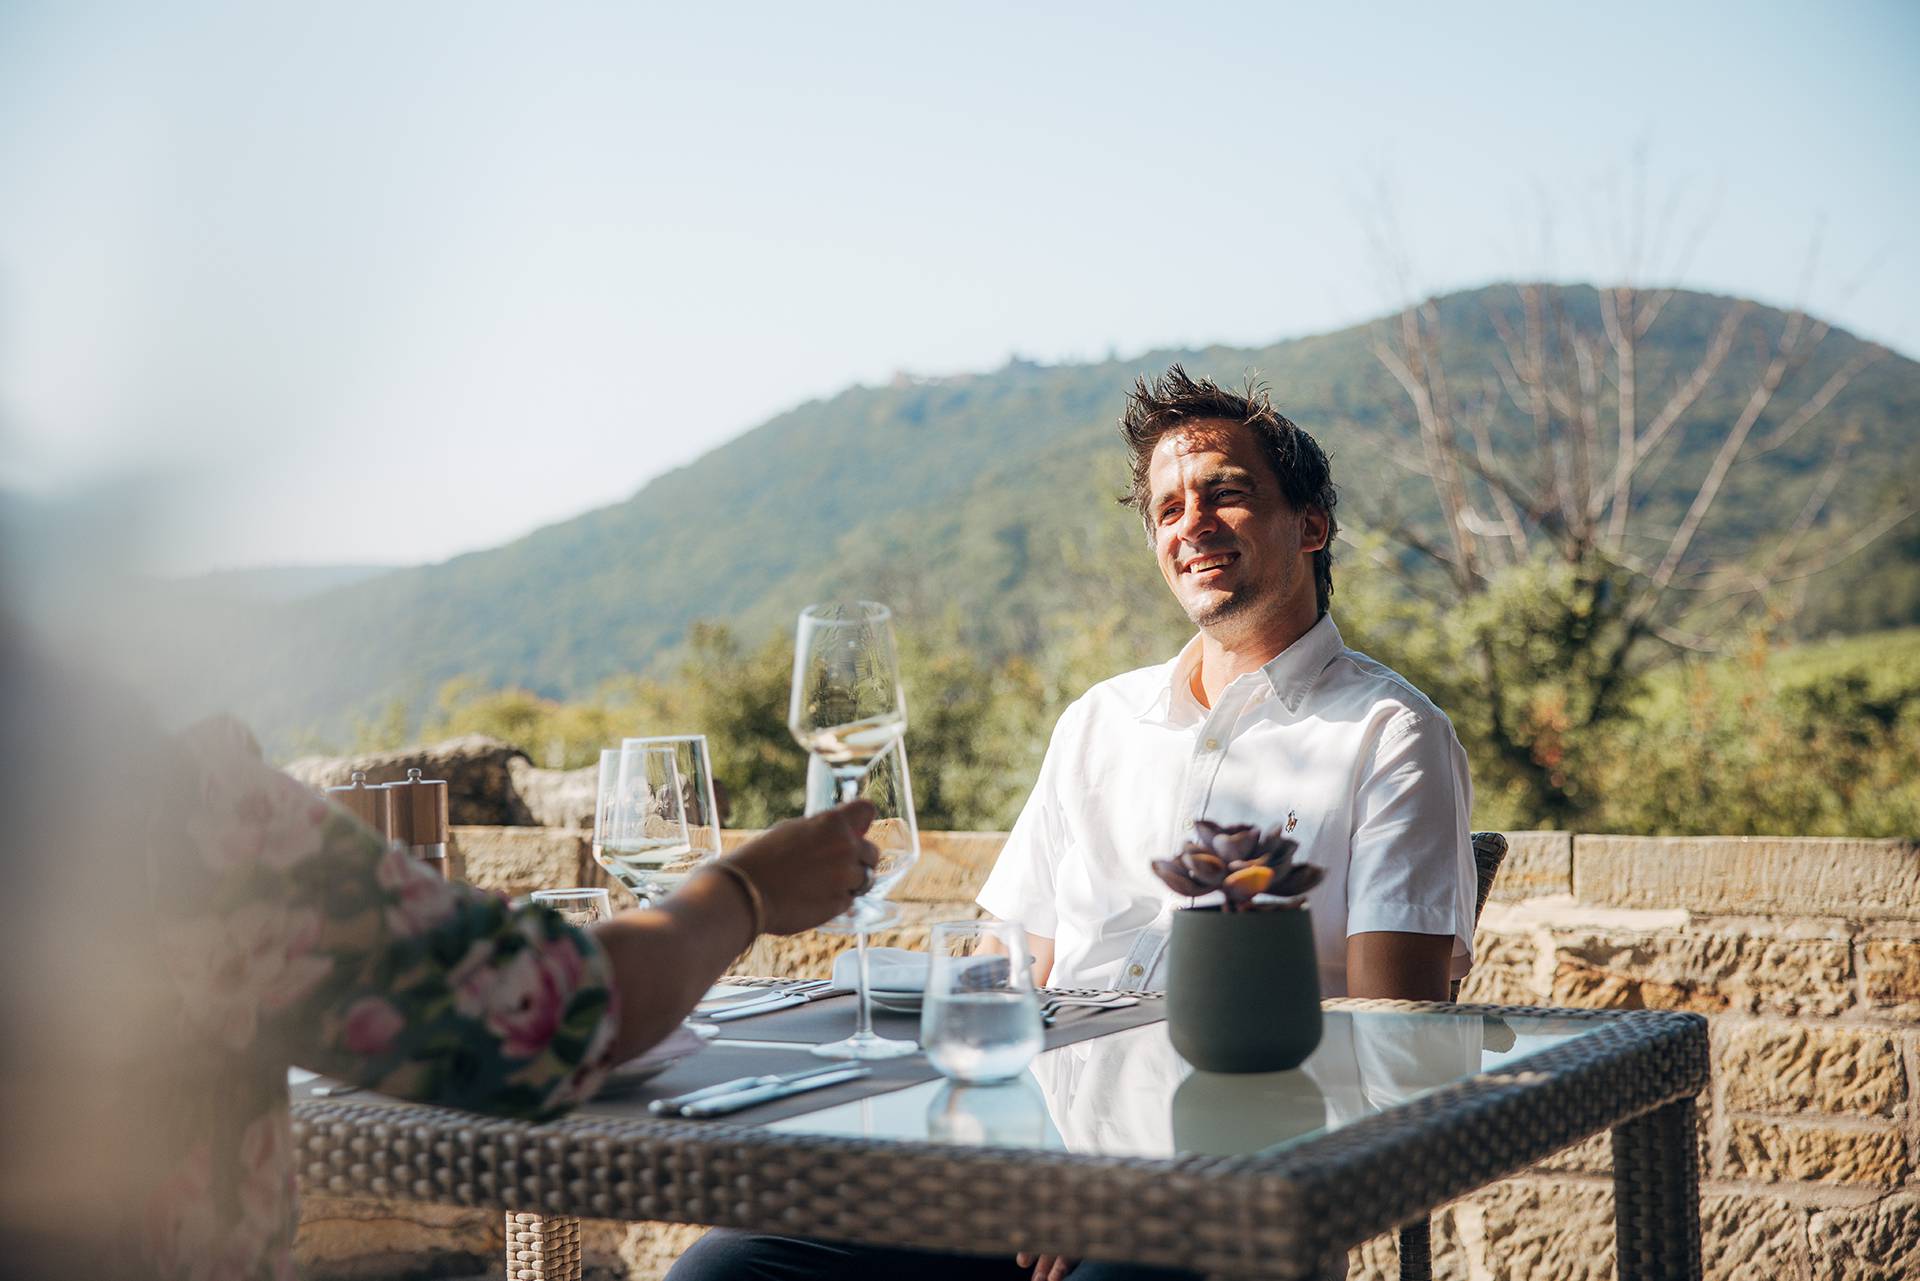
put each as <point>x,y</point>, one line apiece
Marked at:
<point>295,933</point>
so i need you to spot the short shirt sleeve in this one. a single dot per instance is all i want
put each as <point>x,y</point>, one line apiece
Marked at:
<point>1020,888</point>
<point>1412,863</point>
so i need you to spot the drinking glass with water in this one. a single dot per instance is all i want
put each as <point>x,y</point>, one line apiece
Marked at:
<point>981,1018</point>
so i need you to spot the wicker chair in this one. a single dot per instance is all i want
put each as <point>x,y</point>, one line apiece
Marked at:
<point>1416,1239</point>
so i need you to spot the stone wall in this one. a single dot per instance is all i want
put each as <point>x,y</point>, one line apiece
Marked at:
<point>1804,953</point>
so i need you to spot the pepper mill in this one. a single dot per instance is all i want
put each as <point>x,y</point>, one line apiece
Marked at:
<point>420,818</point>
<point>371,805</point>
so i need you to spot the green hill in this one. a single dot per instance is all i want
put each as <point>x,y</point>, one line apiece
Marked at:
<point>989,498</point>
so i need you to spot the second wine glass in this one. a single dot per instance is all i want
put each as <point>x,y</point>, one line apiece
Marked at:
<point>698,790</point>
<point>640,822</point>
<point>848,710</point>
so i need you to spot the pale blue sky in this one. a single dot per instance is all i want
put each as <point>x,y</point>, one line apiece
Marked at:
<point>388,282</point>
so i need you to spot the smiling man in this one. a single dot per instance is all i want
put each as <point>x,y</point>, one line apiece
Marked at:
<point>1264,717</point>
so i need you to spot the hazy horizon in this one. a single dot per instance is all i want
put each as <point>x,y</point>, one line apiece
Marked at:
<point>361,286</point>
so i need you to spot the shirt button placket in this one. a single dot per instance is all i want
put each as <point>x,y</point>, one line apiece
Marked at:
<point>1209,750</point>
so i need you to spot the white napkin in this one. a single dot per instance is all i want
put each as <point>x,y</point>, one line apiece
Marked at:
<point>890,969</point>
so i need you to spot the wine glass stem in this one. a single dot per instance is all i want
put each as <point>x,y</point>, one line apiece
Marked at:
<point>847,786</point>
<point>865,1028</point>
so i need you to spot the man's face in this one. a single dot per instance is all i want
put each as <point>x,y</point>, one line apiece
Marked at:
<point>1231,548</point>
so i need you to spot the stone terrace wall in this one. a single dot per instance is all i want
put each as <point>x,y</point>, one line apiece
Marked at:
<point>1805,953</point>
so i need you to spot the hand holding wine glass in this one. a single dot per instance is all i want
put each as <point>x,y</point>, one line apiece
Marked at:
<point>808,869</point>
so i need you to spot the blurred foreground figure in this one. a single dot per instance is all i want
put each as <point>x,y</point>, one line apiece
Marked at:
<point>182,923</point>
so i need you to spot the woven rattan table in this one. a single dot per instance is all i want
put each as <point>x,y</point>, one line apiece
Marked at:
<point>1404,1108</point>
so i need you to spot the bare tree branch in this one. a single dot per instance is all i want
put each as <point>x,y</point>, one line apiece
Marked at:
<point>1680,402</point>
<point>1819,400</point>
<point>1730,447</point>
<point>1392,450</point>
<point>1418,584</point>
<point>1515,529</point>
<point>1811,509</point>
<point>1625,339</point>
<point>1865,538</point>
<point>1686,640</point>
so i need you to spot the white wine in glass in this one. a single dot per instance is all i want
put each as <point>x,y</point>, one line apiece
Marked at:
<point>849,749</point>
<point>847,706</point>
<point>640,830</point>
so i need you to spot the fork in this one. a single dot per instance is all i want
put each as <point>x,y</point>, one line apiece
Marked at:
<point>780,998</point>
<point>1055,1004</point>
<point>765,994</point>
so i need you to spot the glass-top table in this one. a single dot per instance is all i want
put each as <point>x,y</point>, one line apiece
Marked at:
<point>1131,1094</point>
<point>1103,1149</point>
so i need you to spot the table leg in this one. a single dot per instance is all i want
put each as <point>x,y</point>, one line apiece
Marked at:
<point>542,1247</point>
<point>1656,1195</point>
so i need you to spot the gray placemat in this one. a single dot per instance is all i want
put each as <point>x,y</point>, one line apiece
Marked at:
<point>816,1023</point>
<point>719,1063</point>
<point>800,1028</point>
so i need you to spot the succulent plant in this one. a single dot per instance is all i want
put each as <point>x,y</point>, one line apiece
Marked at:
<point>1254,871</point>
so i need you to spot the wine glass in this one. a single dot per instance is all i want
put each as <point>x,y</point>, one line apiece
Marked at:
<point>579,907</point>
<point>847,706</point>
<point>690,756</point>
<point>640,823</point>
<point>848,710</point>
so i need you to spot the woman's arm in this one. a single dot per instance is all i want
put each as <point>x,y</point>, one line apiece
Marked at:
<point>292,932</point>
<point>663,961</point>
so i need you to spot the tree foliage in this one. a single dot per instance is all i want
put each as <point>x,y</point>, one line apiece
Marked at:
<point>1808,740</point>
<point>1575,471</point>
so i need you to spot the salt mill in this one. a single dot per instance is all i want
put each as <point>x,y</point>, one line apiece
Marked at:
<point>371,805</point>
<point>420,818</point>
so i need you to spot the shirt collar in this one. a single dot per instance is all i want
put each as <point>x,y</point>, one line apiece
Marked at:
<point>1292,673</point>
<point>1295,670</point>
<point>1175,684</point>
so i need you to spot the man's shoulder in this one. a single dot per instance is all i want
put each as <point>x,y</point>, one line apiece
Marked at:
<point>1355,679</point>
<point>1126,694</point>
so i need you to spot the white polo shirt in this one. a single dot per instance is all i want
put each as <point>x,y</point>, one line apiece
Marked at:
<point>1370,769</point>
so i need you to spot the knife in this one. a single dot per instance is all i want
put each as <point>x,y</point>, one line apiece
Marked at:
<point>784,1001</point>
<point>724,1104</point>
<point>671,1106</point>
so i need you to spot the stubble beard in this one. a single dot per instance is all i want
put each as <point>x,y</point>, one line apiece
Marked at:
<point>1240,613</point>
<point>1213,613</point>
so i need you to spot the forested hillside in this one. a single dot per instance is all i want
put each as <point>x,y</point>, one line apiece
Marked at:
<point>986,500</point>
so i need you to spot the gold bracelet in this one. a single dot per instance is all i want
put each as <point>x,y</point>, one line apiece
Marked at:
<point>755,904</point>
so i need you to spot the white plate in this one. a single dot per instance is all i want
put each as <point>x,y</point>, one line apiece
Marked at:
<point>899,1002</point>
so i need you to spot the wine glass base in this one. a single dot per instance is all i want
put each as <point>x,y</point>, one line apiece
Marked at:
<point>864,917</point>
<point>869,1046</point>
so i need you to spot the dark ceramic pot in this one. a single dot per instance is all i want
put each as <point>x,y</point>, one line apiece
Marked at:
<point>1243,989</point>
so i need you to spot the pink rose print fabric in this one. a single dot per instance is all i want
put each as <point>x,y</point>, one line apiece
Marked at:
<point>290,935</point>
